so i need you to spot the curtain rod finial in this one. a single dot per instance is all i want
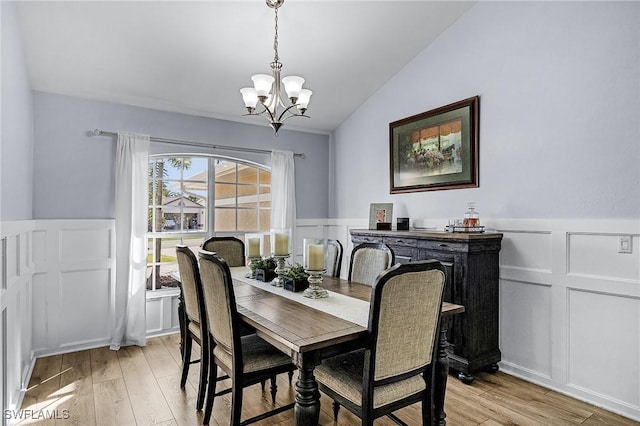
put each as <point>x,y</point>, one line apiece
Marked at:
<point>97,132</point>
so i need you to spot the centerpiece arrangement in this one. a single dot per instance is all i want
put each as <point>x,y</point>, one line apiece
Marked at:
<point>296,279</point>
<point>264,269</point>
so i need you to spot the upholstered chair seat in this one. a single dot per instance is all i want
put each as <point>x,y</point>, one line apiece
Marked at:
<point>343,374</point>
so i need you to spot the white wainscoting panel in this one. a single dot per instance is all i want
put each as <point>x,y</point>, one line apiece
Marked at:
<point>527,251</point>
<point>525,316</point>
<point>604,345</point>
<point>162,312</point>
<point>90,324</point>
<point>73,284</point>
<point>596,256</point>
<point>16,309</point>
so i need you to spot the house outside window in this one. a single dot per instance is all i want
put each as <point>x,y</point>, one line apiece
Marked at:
<point>192,198</point>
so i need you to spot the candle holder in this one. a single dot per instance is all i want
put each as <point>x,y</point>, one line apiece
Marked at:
<point>252,270</point>
<point>280,270</point>
<point>253,249</point>
<point>315,250</point>
<point>315,291</point>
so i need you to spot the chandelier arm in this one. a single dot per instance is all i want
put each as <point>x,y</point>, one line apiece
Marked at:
<point>265,111</point>
<point>280,117</point>
<point>293,115</point>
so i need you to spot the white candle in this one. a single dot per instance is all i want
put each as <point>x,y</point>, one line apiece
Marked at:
<point>254,247</point>
<point>315,257</point>
<point>282,244</point>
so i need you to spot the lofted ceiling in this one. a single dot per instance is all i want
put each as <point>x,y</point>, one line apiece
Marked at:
<point>193,57</point>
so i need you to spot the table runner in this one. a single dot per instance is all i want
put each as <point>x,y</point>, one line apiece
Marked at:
<point>341,306</point>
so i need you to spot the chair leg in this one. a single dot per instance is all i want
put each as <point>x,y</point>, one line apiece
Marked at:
<point>336,408</point>
<point>204,370</point>
<point>186,359</point>
<point>290,377</point>
<point>211,392</point>
<point>262,384</point>
<point>236,403</point>
<point>274,389</point>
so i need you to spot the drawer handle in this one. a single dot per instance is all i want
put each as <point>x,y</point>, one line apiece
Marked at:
<point>444,245</point>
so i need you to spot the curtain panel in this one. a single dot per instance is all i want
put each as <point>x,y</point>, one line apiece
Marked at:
<point>132,162</point>
<point>283,192</point>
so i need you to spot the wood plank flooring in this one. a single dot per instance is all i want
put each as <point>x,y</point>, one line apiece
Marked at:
<point>141,386</point>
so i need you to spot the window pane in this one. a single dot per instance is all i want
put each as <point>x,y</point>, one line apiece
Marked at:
<point>225,219</point>
<point>225,195</point>
<point>225,171</point>
<point>265,177</point>
<point>247,220</point>
<point>265,220</point>
<point>247,190</point>
<point>247,174</point>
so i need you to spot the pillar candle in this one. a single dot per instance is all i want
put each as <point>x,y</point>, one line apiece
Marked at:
<point>316,257</point>
<point>282,244</point>
<point>254,247</point>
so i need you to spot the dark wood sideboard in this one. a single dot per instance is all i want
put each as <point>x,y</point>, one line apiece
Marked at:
<point>472,262</point>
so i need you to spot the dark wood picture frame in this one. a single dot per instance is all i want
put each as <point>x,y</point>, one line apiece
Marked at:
<point>436,149</point>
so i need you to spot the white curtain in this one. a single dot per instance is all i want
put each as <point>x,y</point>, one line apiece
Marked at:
<point>132,162</point>
<point>283,192</point>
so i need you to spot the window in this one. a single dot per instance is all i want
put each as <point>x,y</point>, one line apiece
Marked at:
<point>194,197</point>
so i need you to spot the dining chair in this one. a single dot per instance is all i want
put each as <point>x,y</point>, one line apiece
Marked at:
<point>334,258</point>
<point>247,359</point>
<point>395,367</point>
<point>368,260</point>
<point>194,325</point>
<point>231,249</point>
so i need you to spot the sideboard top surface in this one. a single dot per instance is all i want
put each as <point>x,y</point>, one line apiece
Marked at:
<point>431,234</point>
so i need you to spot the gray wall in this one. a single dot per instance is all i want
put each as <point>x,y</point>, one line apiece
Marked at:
<point>74,172</point>
<point>559,84</point>
<point>16,140</point>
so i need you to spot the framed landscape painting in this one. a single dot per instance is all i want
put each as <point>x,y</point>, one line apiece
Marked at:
<point>435,150</point>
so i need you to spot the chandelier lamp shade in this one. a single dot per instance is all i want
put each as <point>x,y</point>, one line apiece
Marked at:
<point>267,89</point>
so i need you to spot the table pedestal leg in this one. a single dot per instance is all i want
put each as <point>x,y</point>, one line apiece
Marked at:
<point>307,409</point>
<point>440,379</point>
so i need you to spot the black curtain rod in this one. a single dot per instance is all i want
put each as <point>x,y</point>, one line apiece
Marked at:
<point>98,132</point>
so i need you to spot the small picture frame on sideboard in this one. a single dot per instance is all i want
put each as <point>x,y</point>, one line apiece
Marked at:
<point>380,213</point>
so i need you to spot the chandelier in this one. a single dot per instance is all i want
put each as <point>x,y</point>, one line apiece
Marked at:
<point>273,107</point>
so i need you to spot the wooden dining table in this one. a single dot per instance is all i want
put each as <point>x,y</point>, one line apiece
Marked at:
<point>309,335</point>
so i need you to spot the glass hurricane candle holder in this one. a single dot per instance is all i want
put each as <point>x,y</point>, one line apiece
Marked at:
<point>253,247</point>
<point>315,250</point>
<point>280,241</point>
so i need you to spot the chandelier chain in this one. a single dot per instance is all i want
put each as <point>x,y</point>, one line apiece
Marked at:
<point>275,40</point>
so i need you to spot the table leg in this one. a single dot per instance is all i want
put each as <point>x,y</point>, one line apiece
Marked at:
<point>307,409</point>
<point>440,380</point>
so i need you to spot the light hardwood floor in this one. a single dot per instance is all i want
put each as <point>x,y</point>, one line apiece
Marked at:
<point>141,386</point>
